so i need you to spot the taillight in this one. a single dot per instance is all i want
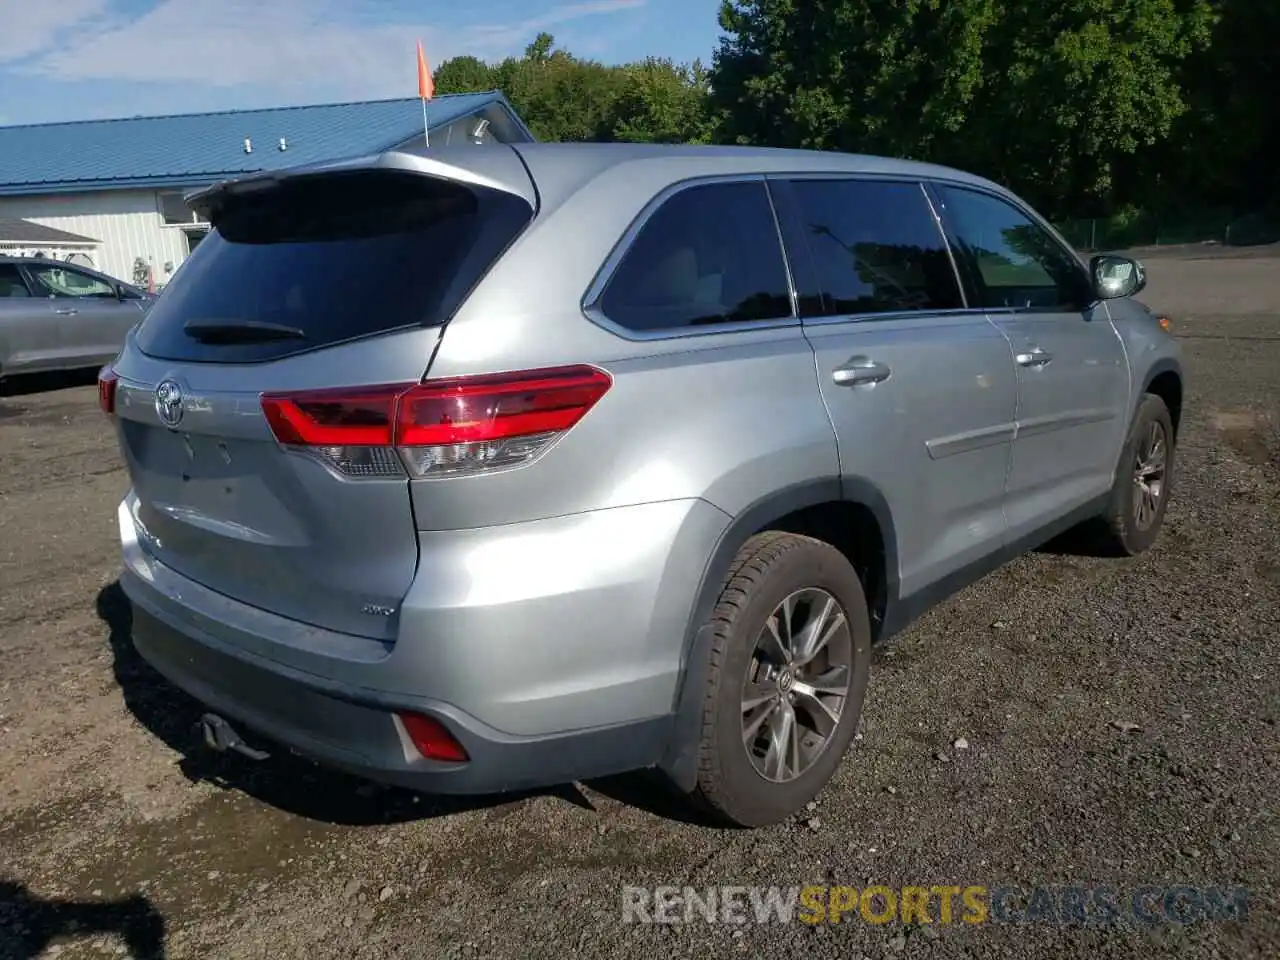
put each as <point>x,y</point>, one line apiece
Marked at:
<point>440,427</point>
<point>431,739</point>
<point>107,380</point>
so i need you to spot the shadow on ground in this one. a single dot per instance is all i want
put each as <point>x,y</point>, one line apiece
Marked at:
<point>29,924</point>
<point>32,383</point>
<point>296,785</point>
<point>1085,540</point>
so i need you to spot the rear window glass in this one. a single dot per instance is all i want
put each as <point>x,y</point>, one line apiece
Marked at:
<point>330,259</point>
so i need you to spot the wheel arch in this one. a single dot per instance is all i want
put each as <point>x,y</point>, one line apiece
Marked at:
<point>851,514</point>
<point>1164,379</point>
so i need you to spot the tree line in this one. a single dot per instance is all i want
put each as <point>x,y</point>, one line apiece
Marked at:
<point>1088,108</point>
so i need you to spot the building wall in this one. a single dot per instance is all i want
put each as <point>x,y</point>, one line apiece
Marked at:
<point>127,224</point>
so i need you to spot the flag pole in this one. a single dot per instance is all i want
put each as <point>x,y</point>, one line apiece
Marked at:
<point>426,87</point>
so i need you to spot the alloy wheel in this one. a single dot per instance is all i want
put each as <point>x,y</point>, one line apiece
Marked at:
<point>1150,467</point>
<point>796,684</point>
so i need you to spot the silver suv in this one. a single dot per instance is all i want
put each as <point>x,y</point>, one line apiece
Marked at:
<point>498,467</point>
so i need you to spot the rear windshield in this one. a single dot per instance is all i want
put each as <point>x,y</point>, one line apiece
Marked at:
<point>326,259</point>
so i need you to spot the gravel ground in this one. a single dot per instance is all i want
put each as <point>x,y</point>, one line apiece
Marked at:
<point>1119,720</point>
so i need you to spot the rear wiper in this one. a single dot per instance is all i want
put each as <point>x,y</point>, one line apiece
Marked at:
<point>240,331</point>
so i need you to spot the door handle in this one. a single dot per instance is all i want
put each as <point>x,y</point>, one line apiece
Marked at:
<point>860,370</point>
<point>1035,358</point>
<point>66,312</point>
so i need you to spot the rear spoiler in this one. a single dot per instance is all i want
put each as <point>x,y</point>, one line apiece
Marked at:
<point>492,167</point>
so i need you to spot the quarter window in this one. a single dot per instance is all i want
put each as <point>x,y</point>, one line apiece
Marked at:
<point>1016,264</point>
<point>709,254</point>
<point>876,248</point>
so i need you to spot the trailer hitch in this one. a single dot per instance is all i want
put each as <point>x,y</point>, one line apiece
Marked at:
<point>220,736</point>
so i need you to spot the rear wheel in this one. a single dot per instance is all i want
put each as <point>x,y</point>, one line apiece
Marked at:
<point>1142,484</point>
<point>789,666</point>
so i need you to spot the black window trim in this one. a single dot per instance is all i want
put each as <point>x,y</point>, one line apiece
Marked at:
<point>591,300</point>
<point>885,316</point>
<point>970,282</point>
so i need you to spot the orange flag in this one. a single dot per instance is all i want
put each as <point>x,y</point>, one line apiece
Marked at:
<point>426,86</point>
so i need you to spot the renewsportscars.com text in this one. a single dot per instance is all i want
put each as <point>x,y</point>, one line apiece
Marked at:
<point>945,904</point>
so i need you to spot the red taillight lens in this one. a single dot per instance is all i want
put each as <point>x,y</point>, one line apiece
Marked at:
<point>431,739</point>
<point>360,417</point>
<point>441,427</point>
<point>479,409</point>
<point>107,380</point>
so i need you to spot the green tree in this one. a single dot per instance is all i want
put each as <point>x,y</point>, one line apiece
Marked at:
<point>875,75</point>
<point>559,96</point>
<point>660,101</point>
<point>539,49</point>
<point>463,75</point>
<point>1224,148</point>
<point>1046,97</point>
<point>1086,85</point>
<point>563,97</point>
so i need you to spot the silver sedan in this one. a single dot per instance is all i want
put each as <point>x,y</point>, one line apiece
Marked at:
<point>56,316</point>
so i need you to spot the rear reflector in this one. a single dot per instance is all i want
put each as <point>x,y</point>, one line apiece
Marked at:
<point>440,427</point>
<point>432,740</point>
<point>107,380</point>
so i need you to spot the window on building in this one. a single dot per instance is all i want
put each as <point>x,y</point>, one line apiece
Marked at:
<point>174,209</point>
<point>466,130</point>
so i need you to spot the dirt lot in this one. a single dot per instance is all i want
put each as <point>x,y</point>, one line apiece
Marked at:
<point>118,833</point>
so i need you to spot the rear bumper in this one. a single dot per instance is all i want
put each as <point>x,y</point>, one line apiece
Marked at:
<point>354,731</point>
<point>500,673</point>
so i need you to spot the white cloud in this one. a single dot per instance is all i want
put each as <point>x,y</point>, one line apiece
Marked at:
<point>29,26</point>
<point>494,41</point>
<point>290,46</point>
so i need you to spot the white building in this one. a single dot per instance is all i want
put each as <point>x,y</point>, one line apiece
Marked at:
<point>115,188</point>
<point>22,238</point>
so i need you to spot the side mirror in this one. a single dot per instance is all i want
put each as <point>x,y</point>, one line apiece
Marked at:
<point>1116,277</point>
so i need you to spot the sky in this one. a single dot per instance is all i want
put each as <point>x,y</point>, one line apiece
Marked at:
<point>86,59</point>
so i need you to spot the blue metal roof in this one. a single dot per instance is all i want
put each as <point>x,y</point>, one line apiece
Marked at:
<point>204,147</point>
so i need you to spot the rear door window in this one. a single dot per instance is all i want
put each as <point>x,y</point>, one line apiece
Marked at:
<point>317,261</point>
<point>12,286</point>
<point>709,254</point>
<point>875,248</point>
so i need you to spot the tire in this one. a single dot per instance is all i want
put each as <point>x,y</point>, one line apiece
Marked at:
<point>751,789</point>
<point>1127,529</point>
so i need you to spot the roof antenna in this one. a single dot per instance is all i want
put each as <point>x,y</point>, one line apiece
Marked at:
<point>248,145</point>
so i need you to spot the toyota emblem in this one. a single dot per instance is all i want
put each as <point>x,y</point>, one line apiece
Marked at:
<point>169,407</point>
